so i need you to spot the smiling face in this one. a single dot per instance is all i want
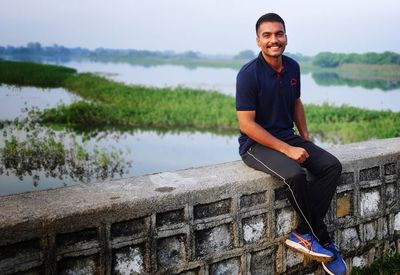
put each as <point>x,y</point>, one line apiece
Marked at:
<point>271,39</point>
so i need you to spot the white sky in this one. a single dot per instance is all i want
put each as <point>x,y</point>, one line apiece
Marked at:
<point>209,26</point>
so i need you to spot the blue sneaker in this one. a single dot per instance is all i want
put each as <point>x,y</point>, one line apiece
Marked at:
<point>308,245</point>
<point>337,266</point>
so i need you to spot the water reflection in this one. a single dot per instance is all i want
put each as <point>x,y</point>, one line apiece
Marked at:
<point>217,79</point>
<point>39,59</point>
<point>30,153</point>
<point>223,80</point>
<point>149,152</point>
<point>333,79</point>
<point>360,97</point>
<point>15,99</point>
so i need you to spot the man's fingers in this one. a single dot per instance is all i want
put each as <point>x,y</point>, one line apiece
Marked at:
<point>298,154</point>
<point>301,159</point>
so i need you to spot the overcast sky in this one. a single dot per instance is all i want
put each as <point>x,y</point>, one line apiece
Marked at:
<point>208,26</point>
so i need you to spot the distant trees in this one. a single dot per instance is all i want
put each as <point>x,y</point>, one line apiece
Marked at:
<point>190,55</point>
<point>249,54</point>
<point>34,50</point>
<point>34,46</point>
<point>299,57</point>
<point>331,60</point>
<point>245,55</point>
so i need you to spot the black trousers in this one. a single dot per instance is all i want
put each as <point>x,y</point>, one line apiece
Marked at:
<point>310,200</point>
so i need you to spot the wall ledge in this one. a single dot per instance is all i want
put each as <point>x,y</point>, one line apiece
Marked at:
<point>227,198</point>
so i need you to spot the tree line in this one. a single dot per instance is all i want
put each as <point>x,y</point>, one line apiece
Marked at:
<point>36,49</point>
<point>332,60</point>
<point>323,59</point>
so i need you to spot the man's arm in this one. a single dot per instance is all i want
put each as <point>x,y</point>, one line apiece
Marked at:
<point>253,130</point>
<point>300,119</point>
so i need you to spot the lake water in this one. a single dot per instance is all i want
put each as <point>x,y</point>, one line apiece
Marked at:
<point>14,99</point>
<point>152,152</point>
<point>223,80</point>
<point>148,151</point>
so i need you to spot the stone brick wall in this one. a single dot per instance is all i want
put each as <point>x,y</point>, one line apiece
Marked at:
<point>222,219</point>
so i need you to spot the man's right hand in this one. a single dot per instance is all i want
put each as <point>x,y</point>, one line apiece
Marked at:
<point>298,154</point>
<point>253,130</point>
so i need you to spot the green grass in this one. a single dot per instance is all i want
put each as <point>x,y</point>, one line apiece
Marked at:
<point>352,124</point>
<point>387,266</point>
<point>111,104</point>
<point>31,74</point>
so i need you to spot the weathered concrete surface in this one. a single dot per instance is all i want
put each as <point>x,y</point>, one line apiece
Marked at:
<point>220,218</point>
<point>49,205</point>
<point>141,193</point>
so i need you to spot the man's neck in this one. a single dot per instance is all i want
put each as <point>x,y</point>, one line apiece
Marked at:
<point>274,62</point>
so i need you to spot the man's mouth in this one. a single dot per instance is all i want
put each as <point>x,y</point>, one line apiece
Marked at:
<point>275,47</point>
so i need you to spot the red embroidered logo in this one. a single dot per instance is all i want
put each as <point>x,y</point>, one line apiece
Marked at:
<point>293,81</point>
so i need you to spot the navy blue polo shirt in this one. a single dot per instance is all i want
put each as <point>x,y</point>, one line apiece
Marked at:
<point>271,94</point>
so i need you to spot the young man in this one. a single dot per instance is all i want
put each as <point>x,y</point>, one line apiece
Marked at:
<point>267,103</point>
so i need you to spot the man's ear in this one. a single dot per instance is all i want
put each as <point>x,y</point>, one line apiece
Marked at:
<point>258,41</point>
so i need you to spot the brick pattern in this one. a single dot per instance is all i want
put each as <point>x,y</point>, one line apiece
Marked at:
<point>236,234</point>
<point>364,220</point>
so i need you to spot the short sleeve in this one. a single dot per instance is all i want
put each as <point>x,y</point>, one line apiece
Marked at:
<point>246,91</point>
<point>294,76</point>
<point>298,88</point>
<point>298,84</point>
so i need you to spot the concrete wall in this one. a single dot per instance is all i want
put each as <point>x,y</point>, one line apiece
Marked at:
<point>222,219</point>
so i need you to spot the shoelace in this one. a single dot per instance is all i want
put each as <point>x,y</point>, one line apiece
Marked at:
<point>306,243</point>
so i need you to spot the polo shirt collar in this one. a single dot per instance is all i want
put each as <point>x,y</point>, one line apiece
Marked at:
<point>270,70</point>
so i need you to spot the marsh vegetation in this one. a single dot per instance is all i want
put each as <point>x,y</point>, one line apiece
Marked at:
<point>108,105</point>
<point>31,150</point>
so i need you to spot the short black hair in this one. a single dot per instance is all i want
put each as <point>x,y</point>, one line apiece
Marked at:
<point>269,17</point>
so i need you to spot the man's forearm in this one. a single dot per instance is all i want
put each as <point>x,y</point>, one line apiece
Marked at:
<point>300,119</point>
<point>257,133</point>
<point>263,137</point>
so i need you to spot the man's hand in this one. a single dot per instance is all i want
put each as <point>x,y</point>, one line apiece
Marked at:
<point>252,129</point>
<point>305,136</point>
<point>297,153</point>
<point>300,119</point>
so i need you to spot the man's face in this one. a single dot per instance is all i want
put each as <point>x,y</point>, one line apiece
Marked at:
<point>271,38</point>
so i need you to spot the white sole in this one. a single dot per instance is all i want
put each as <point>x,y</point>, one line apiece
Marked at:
<point>330,273</point>
<point>326,270</point>
<point>316,256</point>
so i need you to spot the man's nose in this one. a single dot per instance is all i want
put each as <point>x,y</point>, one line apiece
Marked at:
<point>273,38</point>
